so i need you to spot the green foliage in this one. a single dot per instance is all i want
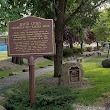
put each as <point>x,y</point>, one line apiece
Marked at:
<point>67,52</point>
<point>15,99</point>
<point>89,49</point>
<point>44,63</point>
<point>77,50</point>
<point>10,10</point>
<point>55,98</point>
<point>84,49</point>
<point>7,72</point>
<point>95,48</point>
<point>102,26</point>
<point>106,63</point>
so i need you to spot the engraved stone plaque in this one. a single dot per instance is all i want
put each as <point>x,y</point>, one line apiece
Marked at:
<point>73,74</point>
<point>31,36</point>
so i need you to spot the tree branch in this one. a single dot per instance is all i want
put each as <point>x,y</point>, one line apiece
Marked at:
<point>78,11</point>
<point>73,14</point>
<point>96,6</point>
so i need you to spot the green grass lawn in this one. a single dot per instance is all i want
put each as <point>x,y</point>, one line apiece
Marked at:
<point>44,64</point>
<point>7,72</point>
<point>99,80</point>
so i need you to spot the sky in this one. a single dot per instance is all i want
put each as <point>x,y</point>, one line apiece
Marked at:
<point>104,6</point>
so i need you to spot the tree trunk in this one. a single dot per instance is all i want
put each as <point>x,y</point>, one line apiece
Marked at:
<point>81,47</point>
<point>59,52</point>
<point>97,45</point>
<point>71,43</point>
<point>17,60</point>
<point>81,44</point>
<point>108,51</point>
<point>59,26</point>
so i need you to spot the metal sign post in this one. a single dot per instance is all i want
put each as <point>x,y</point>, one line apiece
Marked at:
<point>31,80</point>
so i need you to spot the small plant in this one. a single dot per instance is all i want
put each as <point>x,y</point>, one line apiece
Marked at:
<point>67,52</point>
<point>76,50</point>
<point>102,49</point>
<point>106,63</point>
<point>16,99</point>
<point>54,98</point>
<point>84,49</point>
<point>89,49</point>
<point>95,48</point>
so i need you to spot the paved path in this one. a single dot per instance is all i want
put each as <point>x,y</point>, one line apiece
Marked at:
<point>15,79</point>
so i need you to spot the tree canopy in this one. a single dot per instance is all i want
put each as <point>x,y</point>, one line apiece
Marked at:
<point>102,26</point>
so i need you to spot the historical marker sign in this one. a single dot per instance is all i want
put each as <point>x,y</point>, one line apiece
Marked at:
<point>28,37</point>
<point>31,36</point>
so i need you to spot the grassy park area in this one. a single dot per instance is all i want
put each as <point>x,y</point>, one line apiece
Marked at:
<point>95,90</point>
<point>98,79</point>
<point>64,44</point>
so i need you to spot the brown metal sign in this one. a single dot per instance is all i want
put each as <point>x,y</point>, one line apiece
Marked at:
<point>31,36</point>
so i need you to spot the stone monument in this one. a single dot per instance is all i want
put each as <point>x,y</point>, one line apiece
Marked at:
<point>72,74</point>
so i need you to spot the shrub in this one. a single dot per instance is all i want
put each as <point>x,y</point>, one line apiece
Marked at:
<point>89,49</point>
<point>95,48</point>
<point>55,98</point>
<point>16,100</point>
<point>67,52</point>
<point>76,50</point>
<point>106,63</point>
<point>102,49</point>
<point>84,49</point>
